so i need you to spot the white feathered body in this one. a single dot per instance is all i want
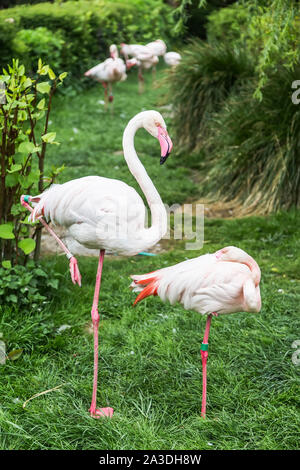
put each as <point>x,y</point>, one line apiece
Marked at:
<point>99,213</point>
<point>205,284</point>
<point>110,71</point>
<point>157,47</point>
<point>172,58</point>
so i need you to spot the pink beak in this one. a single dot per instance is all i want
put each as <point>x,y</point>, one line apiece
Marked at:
<point>166,144</point>
<point>129,65</point>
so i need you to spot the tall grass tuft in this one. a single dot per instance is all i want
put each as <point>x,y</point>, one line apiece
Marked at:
<point>200,84</point>
<point>254,146</point>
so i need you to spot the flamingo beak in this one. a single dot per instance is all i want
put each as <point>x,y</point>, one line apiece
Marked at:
<point>166,144</point>
<point>129,65</point>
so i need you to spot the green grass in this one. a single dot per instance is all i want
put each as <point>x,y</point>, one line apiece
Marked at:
<point>150,363</point>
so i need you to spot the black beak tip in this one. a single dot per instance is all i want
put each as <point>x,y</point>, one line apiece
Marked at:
<point>163,159</point>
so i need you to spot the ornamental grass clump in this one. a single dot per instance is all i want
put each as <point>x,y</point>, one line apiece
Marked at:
<point>253,148</point>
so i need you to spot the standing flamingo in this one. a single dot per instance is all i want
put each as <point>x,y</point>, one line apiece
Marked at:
<point>224,282</point>
<point>110,71</point>
<point>107,214</point>
<point>142,56</point>
<point>158,48</point>
<point>172,58</point>
<point>144,61</point>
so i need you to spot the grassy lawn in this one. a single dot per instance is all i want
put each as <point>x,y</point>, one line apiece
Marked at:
<point>150,363</point>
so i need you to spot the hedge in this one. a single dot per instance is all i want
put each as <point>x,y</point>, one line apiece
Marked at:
<point>86,27</point>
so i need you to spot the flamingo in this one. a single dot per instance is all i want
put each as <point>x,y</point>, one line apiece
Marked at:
<point>107,214</point>
<point>212,284</point>
<point>172,58</point>
<point>110,71</point>
<point>144,61</point>
<point>142,56</point>
<point>157,47</point>
<point>132,50</point>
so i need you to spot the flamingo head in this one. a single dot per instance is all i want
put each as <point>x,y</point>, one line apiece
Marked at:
<point>113,51</point>
<point>123,47</point>
<point>234,254</point>
<point>131,63</point>
<point>154,123</point>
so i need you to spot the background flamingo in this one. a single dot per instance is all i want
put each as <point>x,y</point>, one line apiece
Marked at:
<point>145,57</point>
<point>106,214</point>
<point>143,61</point>
<point>224,282</point>
<point>108,72</point>
<point>158,49</point>
<point>172,58</point>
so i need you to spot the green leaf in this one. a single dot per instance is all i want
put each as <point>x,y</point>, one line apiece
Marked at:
<point>11,180</point>
<point>27,83</point>
<point>43,87</point>
<point>15,353</point>
<point>6,231</point>
<point>6,264</point>
<point>44,70</point>
<point>62,76</point>
<point>28,147</point>
<point>27,245</point>
<point>15,168</point>
<point>49,138</point>
<point>51,74</point>
<point>41,104</point>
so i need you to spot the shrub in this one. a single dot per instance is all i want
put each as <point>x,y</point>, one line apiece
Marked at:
<point>25,106</point>
<point>31,44</point>
<point>200,84</point>
<point>87,28</point>
<point>228,24</point>
<point>254,146</point>
<point>26,287</point>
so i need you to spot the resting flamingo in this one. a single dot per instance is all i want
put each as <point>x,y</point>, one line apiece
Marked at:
<point>172,58</point>
<point>224,282</point>
<point>108,72</point>
<point>107,214</point>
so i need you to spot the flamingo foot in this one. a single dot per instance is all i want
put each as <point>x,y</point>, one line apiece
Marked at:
<point>102,412</point>
<point>74,271</point>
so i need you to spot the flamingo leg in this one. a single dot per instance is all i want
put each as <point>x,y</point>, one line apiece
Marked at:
<point>100,412</point>
<point>204,355</point>
<point>141,81</point>
<point>74,270</point>
<point>104,84</point>
<point>154,75</point>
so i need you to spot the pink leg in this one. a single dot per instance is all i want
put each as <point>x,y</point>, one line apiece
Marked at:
<point>141,80</point>
<point>100,412</point>
<point>204,355</point>
<point>74,270</point>
<point>104,84</point>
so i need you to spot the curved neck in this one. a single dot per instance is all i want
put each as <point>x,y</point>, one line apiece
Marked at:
<point>158,212</point>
